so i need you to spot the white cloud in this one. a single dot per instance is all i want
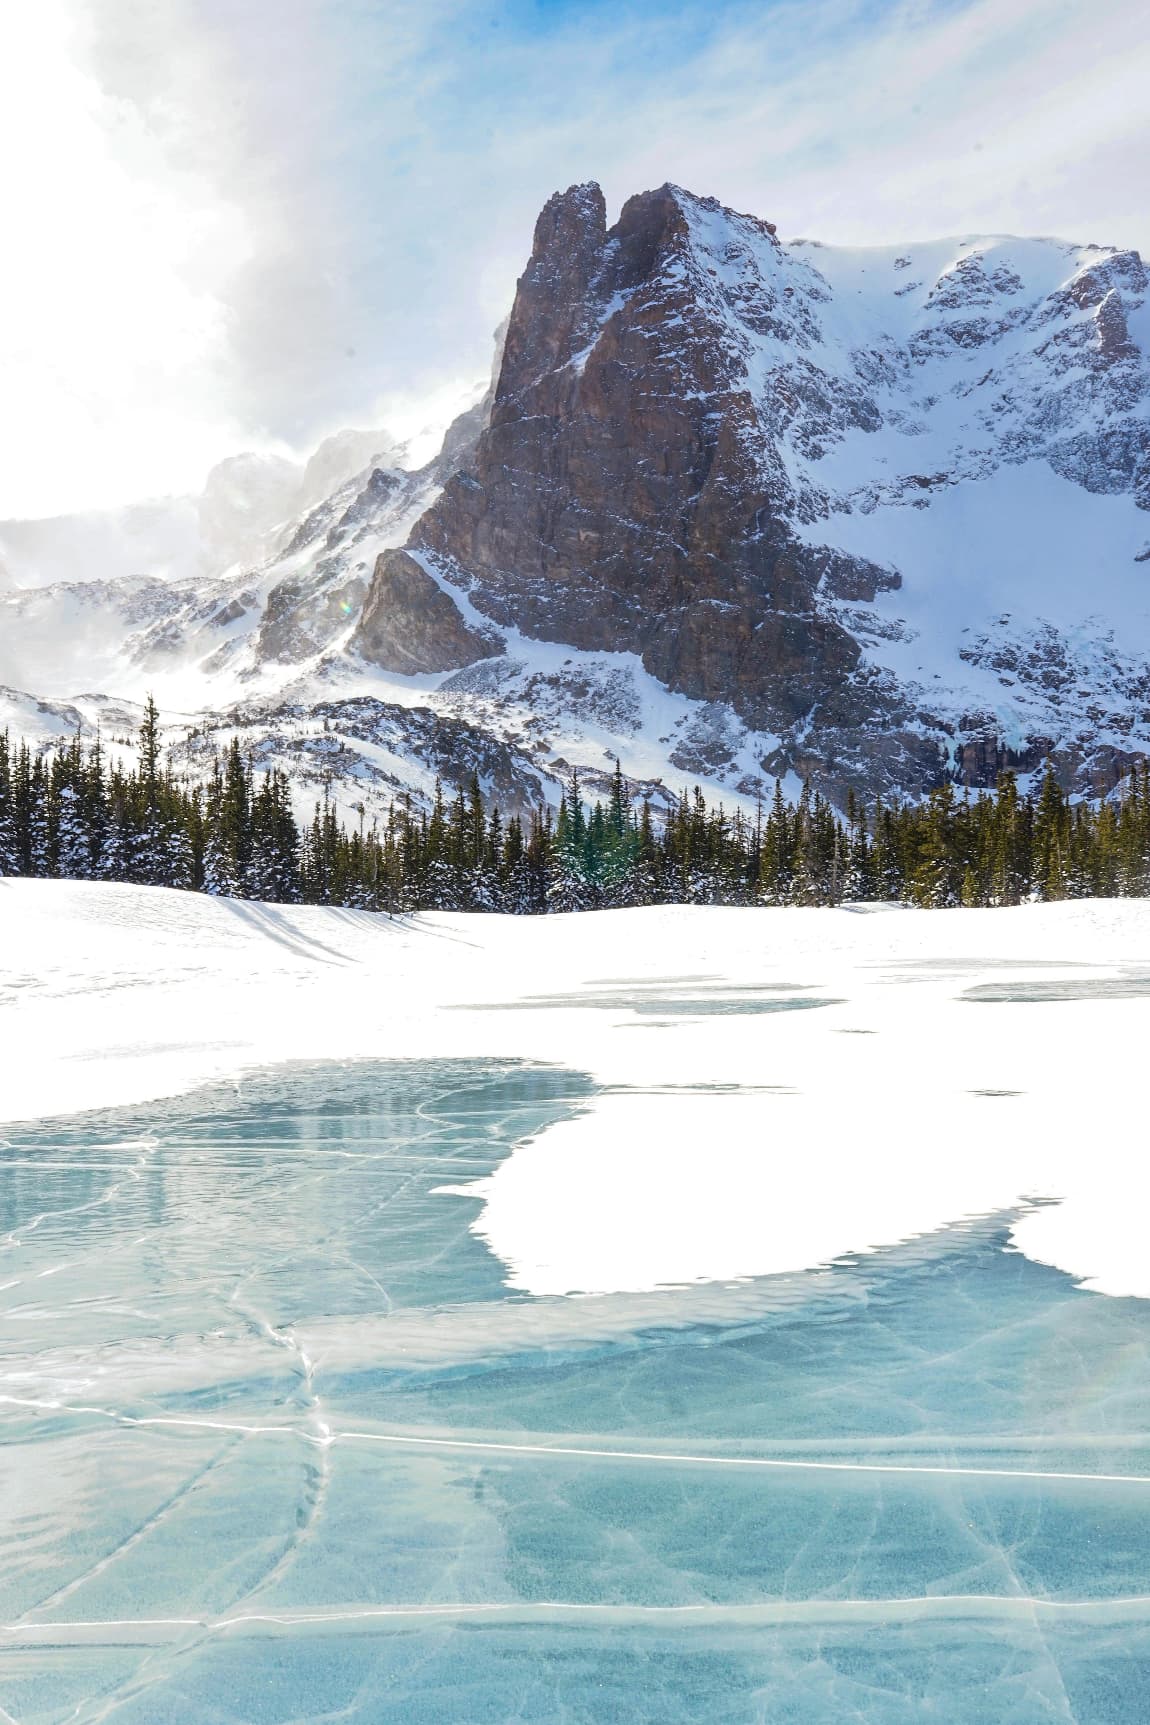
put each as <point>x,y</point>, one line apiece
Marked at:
<point>247,225</point>
<point>110,329</point>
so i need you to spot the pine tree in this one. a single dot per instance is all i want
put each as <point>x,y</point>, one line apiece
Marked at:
<point>776,857</point>
<point>228,844</point>
<point>567,888</point>
<point>858,883</point>
<point>39,827</point>
<point>1011,874</point>
<point>9,847</point>
<point>1051,839</point>
<point>937,877</point>
<point>805,880</point>
<point>73,842</point>
<point>273,871</point>
<point>65,811</point>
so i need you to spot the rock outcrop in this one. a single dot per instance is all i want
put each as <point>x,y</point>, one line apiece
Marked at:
<point>411,625</point>
<point>615,501</point>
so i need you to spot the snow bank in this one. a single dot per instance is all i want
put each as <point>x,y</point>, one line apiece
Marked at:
<point>779,1087</point>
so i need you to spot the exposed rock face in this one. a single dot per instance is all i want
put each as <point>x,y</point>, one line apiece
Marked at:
<point>614,501</point>
<point>689,420</point>
<point>410,624</point>
<point>305,609</point>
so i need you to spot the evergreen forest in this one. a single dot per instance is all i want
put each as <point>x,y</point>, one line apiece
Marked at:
<point>68,813</point>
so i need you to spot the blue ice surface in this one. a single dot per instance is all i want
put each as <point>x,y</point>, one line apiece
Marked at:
<point>281,1444</point>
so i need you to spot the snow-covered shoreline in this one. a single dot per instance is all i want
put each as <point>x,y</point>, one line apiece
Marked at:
<point>724,1143</point>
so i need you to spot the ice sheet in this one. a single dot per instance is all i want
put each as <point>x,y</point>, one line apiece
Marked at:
<point>283,1440</point>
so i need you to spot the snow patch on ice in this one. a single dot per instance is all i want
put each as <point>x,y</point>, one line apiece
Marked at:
<point>727,1144</point>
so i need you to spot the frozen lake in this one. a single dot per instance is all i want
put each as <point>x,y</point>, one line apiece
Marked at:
<point>289,1434</point>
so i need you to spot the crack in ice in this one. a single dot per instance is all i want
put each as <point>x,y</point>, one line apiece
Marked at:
<point>327,1436</point>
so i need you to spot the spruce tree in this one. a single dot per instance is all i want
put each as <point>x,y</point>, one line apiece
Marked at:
<point>9,847</point>
<point>1051,839</point>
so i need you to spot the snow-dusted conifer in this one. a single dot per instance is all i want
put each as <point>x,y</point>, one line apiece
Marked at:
<point>73,841</point>
<point>9,848</point>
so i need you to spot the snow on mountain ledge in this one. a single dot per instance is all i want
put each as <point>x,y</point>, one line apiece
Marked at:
<point>119,994</point>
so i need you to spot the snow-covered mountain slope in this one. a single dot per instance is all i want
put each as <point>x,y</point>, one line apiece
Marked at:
<point>246,500</point>
<point>888,507</point>
<point>937,364</point>
<point>201,639</point>
<point>732,509</point>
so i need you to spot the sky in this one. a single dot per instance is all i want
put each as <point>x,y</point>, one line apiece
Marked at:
<point>243,224</point>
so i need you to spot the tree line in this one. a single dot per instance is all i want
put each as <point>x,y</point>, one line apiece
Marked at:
<point>70,813</point>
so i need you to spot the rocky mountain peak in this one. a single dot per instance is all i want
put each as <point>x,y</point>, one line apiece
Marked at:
<point>652,227</point>
<point>555,297</point>
<point>619,499</point>
<point>580,273</point>
<point>693,424</point>
<point>572,226</point>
